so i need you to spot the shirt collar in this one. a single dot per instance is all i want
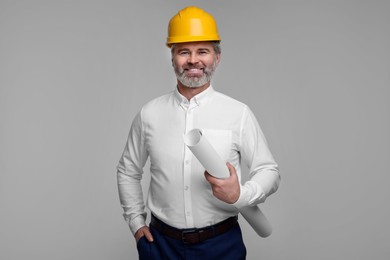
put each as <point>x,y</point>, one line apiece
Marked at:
<point>199,99</point>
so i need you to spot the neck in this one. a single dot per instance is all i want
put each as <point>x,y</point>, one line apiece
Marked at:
<point>191,92</point>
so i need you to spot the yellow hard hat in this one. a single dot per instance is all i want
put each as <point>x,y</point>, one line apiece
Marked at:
<point>192,24</point>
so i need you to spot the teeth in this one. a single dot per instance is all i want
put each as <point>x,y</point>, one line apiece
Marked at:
<point>195,71</point>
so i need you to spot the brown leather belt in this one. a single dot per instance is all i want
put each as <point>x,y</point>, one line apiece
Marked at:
<point>194,235</point>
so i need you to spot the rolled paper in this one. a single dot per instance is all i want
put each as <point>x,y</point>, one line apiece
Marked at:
<point>206,154</point>
<point>214,165</point>
<point>255,217</point>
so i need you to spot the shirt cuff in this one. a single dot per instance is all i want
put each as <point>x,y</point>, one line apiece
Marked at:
<point>251,194</point>
<point>137,223</point>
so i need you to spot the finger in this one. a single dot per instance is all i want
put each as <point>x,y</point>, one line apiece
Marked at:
<point>148,235</point>
<point>231,168</point>
<point>143,231</point>
<point>208,176</point>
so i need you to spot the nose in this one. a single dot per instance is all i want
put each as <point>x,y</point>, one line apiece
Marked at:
<point>193,59</point>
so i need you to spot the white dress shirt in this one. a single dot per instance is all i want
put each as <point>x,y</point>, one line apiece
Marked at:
<point>179,194</point>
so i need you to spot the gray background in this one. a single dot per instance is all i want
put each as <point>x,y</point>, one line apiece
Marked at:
<point>74,73</point>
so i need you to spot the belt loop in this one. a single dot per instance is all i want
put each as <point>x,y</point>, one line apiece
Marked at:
<point>213,229</point>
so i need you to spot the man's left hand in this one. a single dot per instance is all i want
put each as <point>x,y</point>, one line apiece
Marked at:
<point>227,190</point>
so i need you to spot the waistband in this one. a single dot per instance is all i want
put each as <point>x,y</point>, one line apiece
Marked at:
<point>194,235</point>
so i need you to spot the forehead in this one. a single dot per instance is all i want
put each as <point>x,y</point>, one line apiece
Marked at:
<point>194,45</point>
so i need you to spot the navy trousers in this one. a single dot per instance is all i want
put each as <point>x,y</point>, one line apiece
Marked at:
<point>228,246</point>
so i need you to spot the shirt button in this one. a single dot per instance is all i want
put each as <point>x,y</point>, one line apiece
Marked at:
<point>187,161</point>
<point>186,188</point>
<point>188,213</point>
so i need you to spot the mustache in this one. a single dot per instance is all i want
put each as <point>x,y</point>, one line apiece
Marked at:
<point>189,67</point>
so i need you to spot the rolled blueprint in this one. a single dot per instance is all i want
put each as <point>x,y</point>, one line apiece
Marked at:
<point>214,165</point>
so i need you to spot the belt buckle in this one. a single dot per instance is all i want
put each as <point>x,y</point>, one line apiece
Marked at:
<point>186,232</point>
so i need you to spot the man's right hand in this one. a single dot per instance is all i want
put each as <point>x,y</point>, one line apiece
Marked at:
<point>143,231</point>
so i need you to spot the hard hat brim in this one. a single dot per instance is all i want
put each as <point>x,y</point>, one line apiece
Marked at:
<point>174,40</point>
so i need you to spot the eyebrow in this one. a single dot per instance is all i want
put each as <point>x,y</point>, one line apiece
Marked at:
<point>187,49</point>
<point>183,49</point>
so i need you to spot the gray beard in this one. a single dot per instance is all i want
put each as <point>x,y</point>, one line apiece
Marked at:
<point>195,82</point>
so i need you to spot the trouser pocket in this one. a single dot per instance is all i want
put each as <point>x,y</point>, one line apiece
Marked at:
<point>147,250</point>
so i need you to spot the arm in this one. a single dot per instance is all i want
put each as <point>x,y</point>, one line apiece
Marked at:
<point>264,175</point>
<point>129,175</point>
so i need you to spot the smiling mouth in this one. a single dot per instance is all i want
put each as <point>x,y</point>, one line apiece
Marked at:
<point>194,72</point>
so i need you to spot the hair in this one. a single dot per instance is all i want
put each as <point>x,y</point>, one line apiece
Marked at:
<point>216,45</point>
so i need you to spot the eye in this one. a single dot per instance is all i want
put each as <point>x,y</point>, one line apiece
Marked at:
<point>183,52</point>
<point>203,52</point>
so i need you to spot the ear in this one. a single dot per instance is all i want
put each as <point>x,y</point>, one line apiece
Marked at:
<point>218,58</point>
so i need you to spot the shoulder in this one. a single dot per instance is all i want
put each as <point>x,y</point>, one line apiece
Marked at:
<point>157,104</point>
<point>229,101</point>
<point>161,100</point>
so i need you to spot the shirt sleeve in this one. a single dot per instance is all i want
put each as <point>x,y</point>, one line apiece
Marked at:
<point>264,175</point>
<point>129,175</point>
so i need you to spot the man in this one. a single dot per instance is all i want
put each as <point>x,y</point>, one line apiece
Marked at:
<point>194,215</point>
